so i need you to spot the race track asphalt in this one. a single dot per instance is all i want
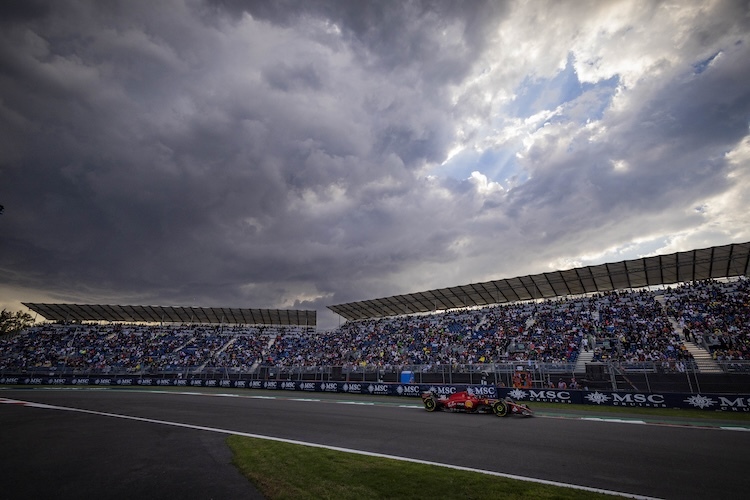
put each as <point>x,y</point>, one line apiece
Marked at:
<point>50,453</point>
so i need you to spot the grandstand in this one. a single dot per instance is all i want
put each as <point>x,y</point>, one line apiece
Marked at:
<point>63,313</point>
<point>678,321</point>
<point>681,267</point>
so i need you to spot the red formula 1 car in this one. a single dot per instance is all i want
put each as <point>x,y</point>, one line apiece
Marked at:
<point>466,402</point>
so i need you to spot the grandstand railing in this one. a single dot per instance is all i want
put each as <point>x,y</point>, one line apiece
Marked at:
<point>496,373</point>
<point>735,366</point>
<point>637,377</point>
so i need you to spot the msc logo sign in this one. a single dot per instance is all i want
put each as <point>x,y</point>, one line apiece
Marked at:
<point>656,400</point>
<point>443,390</point>
<point>408,390</point>
<point>482,390</point>
<point>737,404</point>
<point>549,396</point>
<point>377,389</point>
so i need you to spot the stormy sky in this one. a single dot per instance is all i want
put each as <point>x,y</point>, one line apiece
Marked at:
<point>300,154</point>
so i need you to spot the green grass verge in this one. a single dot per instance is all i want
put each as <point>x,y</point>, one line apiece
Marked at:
<point>289,471</point>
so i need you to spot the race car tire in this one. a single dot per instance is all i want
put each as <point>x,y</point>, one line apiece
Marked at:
<point>430,404</point>
<point>499,408</point>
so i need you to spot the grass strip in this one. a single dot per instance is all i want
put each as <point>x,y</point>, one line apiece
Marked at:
<point>285,471</point>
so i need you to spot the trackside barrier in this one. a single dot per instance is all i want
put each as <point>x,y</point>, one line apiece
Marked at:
<point>382,389</point>
<point>711,402</point>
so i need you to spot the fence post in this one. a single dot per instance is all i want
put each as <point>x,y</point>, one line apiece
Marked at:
<point>612,376</point>
<point>687,374</point>
<point>697,383</point>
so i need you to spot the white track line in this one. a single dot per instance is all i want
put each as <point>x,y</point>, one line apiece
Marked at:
<point>316,445</point>
<point>613,420</point>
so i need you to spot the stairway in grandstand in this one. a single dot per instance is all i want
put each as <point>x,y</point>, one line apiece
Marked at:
<point>584,358</point>
<point>256,364</point>
<point>703,360</point>
<point>217,353</point>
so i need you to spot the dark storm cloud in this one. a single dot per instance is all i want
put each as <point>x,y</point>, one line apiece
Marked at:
<point>129,194</point>
<point>395,33</point>
<point>13,11</point>
<point>284,78</point>
<point>286,154</point>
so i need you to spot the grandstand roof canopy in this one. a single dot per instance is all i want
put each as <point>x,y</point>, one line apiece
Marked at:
<point>162,314</point>
<point>694,265</point>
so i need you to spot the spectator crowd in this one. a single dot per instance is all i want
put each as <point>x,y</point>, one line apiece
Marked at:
<point>631,328</point>
<point>715,316</point>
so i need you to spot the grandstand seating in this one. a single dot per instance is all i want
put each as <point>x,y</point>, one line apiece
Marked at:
<point>715,315</point>
<point>631,329</point>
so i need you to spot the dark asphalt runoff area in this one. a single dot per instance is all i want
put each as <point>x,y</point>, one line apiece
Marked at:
<point>71,454</point>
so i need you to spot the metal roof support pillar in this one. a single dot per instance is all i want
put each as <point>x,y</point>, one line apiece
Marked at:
<point>710,265</point>
<point>729,261</point>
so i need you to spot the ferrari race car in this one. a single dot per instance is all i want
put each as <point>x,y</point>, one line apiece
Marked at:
<point>466,402</point>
